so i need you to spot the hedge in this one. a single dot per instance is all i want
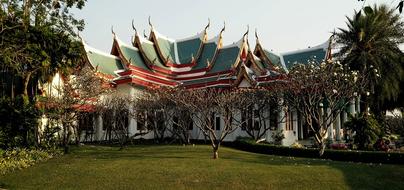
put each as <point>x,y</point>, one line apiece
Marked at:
<point>11,160</point>
<point>337,155</point>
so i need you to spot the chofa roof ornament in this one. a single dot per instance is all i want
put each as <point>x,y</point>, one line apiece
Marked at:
<point>246,33</point>
<point>208,25</point>
<point>150,24</point>
<point>256,37</point>
<point>112,30</point>
<point>133,26</point>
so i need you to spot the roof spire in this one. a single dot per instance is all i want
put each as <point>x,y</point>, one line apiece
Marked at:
<point>224,27</point>
<point>133,26</point>
<point>151,25</point>
<point>144,34</point>
<point>207,26</point>
<point>112,30</point>
<point>246,33</point>
<point>256,36</point>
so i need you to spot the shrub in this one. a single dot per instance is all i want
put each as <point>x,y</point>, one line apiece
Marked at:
<point>366,128</point>
<point>18,121</point>
<point>395,125</point>
<point>296,145</point>
<point>16,159</point>
<point>338,155</point>
<point>277,137</point>
<point>339,146</point>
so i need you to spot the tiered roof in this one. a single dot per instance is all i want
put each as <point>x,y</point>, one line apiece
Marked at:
<point>195,62</point>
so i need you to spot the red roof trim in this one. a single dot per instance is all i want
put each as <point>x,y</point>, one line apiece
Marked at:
<point>181,65</point>
<point>200,85</point>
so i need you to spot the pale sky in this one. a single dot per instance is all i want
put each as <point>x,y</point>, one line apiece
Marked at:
<point>282,25</point>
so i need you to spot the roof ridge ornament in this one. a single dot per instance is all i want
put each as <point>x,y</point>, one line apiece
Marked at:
<point>144,34</point>
<point>256,36</point>
<point>150,24</point>
<point>208,25</point>
<point>133,26</point>
<point>224,27</point>
<point>112,30</point>
<point>248,30</point>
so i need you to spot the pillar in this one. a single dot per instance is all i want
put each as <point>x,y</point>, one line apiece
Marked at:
<point>330,130</point>
<point>338,128</point>
<point>358,104</point>
<point>98,127</point>
<point>351,107</point>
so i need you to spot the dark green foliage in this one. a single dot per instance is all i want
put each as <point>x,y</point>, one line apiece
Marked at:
<point>18,122</point>
<point>37,40</point>
<point>366,128</point>
<point>337,155</point>
<point>395,125</point>
<point>370,45</point>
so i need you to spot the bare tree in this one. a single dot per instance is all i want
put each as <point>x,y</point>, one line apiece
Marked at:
<point>163,115</point>
<point>78,94</point>
<point>262,107</point>
<point>320,92</point>
<point>208,107</point>
<point>115,108</point>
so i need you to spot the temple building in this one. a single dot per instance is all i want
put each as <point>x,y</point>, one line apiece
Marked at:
<point>202,61</point>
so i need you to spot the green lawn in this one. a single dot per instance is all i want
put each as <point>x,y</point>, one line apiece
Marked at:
<point>188,167</point>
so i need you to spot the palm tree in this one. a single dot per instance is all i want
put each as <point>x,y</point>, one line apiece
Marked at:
<point>370,45</point>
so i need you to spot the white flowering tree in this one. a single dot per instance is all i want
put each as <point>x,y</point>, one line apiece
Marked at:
<point>162,114</point>
<point>320,92</point>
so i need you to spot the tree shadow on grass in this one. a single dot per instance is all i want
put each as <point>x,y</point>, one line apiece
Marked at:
<point>356,175</point>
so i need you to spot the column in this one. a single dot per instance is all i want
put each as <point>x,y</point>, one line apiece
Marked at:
<point>351,107</point>
<point>282,123</point>
<point>132,123</point>
<point>358,104</point>
<point>98,127</point>
<point>295,124</point>
<point>330,130</point>
<point>301,121</point>
<point>338,128</point>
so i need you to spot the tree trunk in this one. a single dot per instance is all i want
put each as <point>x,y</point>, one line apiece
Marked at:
<point>26,78</point>
<point>215,154</point>
<point>321,148</point>
<point>216,150</point>
<point>27,13</point>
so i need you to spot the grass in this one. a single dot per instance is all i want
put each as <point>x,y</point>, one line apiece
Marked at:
<point>188,167</point>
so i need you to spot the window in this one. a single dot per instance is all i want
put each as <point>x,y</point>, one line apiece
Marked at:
<point>175,123</point>
<point>273,118</point>
<point>141,121</point>
<point>86,121</point>
<point>121,119</point>
<point>160,120</point>
<point>217,123</point>
<point>256,120</point>
<point>106,120</point>
<point>190,122</point>
<point>290,119</point>
<point>247,120</point>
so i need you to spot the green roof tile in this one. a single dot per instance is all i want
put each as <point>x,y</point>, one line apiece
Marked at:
<point>133,55</point>
<point>275,59</point>
<point>225,59</point>
<point>304,57</point>
<point>105,64</point>
<point>208,52</point>
<point>152,55</point>
<point>188,48</point>
<point>166,48</point>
